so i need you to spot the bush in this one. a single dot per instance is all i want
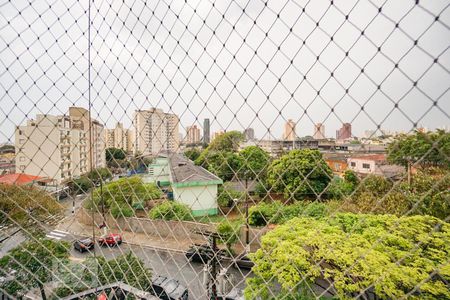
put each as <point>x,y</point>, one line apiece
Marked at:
<point>277,213</point>
<point>227,195</point>
<point>122,210</point>
<point>229,233</point>
<point>170,210</point>
<point>81,185</point>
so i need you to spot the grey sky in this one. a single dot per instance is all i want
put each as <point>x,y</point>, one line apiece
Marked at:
<point>197,65</point>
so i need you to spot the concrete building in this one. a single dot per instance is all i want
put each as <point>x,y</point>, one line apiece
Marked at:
<point>119,137</point>
<point>191,185</point>
<point>276,148</point>
<point>192,135</point>
<point>80,119</point>
<point>249,134</point>
<point>345,132</point>
<point>319,131</point>
<point>206,131</point>
<point>289,130</point>
<point>49,147</point>
<point>155,131</point>
<point>373,164</point>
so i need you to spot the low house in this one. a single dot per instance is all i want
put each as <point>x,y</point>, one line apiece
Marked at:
<point>191,185</point>
<point>337,163</point>
<point>374,164</point>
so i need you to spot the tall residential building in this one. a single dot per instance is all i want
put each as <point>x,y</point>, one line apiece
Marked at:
<point>119,137</point>
<point>345,132</point>
<point>155,131</point>
<point>50,146</point>
<point>249,134</point>
<point>206,131</point>
<point>80,119</point>
<point>289,130</point>
<point>192,134</point>
<point>319,131</point>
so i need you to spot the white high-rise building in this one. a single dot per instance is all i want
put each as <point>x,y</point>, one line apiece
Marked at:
<point>319,131</point>
<point>155,131</point>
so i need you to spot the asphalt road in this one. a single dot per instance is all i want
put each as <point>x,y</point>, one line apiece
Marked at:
<point>171,264</point>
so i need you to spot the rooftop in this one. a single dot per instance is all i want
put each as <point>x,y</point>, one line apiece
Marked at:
<point>20,179</point>
<point>184,172</point>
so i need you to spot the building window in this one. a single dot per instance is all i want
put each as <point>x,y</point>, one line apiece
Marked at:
<point>21,158</point>
<point>366,166</point>
<point>21,141</point>
<point>353,164</point>
<point>22,168</point>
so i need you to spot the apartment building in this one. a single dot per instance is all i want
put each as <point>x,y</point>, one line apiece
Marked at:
<point>192,135</point>
<point>58,147</point>
<point>155,131</point>
<point>119,137</point>
<point>79,118</point>
<point>49,147</point>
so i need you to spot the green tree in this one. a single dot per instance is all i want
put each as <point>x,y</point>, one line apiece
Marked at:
<point>255,162</point>
<point>431,148</point>
<point>33,262</point>
<point>299,174</point>
<point>228,233</point>
<point>354,252</point>
<point>171,210</point>
<point>223,164</point>
<point>17,202</point>
<point>192,153</point>
<point>115,154</point>
<point>125,192</point>
<point>226,196</point>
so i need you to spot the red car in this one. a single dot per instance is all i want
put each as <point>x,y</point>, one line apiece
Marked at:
<point>111,239</point>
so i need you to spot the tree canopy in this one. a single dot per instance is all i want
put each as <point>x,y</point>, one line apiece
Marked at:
<point>255,162</point>
<point>33,262</point>
<point>299,173</point>
<point>115,154</point>
<point>431,148</point>
<point>369,254</point>
<point>17,201</point>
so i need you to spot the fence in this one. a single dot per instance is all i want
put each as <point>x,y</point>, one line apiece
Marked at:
<point>321,126</point>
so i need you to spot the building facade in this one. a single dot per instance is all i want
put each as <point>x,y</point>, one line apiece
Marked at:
<point>206,131</point>
<point>319,131</point>
<point>289,131</point>
<point>217,134</point>
<point>345,132</point>
<point>80,120</point>
<point>192,135</point>
<point>155,131</point>
<point>119,137</point>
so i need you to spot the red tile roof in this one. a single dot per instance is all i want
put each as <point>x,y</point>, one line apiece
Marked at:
<point>18,178</point>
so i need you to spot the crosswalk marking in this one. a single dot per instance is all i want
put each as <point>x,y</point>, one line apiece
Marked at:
<point>56,234</point>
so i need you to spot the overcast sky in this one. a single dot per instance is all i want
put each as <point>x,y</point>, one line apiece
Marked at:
<point>240,63</point>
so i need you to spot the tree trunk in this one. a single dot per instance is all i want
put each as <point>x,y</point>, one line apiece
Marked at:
<point>41,287</point>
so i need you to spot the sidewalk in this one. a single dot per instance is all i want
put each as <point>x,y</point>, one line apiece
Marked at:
<point>72,226</point>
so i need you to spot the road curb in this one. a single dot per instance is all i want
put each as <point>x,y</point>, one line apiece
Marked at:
<point>137,244</point>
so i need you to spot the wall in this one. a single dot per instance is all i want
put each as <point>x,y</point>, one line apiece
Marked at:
<point>201,199</point>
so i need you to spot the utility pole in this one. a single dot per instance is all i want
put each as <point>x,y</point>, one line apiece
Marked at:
<point>247,228</point>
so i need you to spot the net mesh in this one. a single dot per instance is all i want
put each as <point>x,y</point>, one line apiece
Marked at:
<point>224,150</point>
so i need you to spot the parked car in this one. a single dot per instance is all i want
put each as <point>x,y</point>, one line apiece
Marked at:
<point>168,289</point>
<point>243,262</point>
<point>84,244</point>
<point>203,253</point>
<point>111,239</point>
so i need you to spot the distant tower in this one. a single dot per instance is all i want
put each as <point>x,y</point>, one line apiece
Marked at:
<point>249,134</point>
<point>319,131</point>
<point>345,132</point>
<point>206,131</point>
<point>289,130</point>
